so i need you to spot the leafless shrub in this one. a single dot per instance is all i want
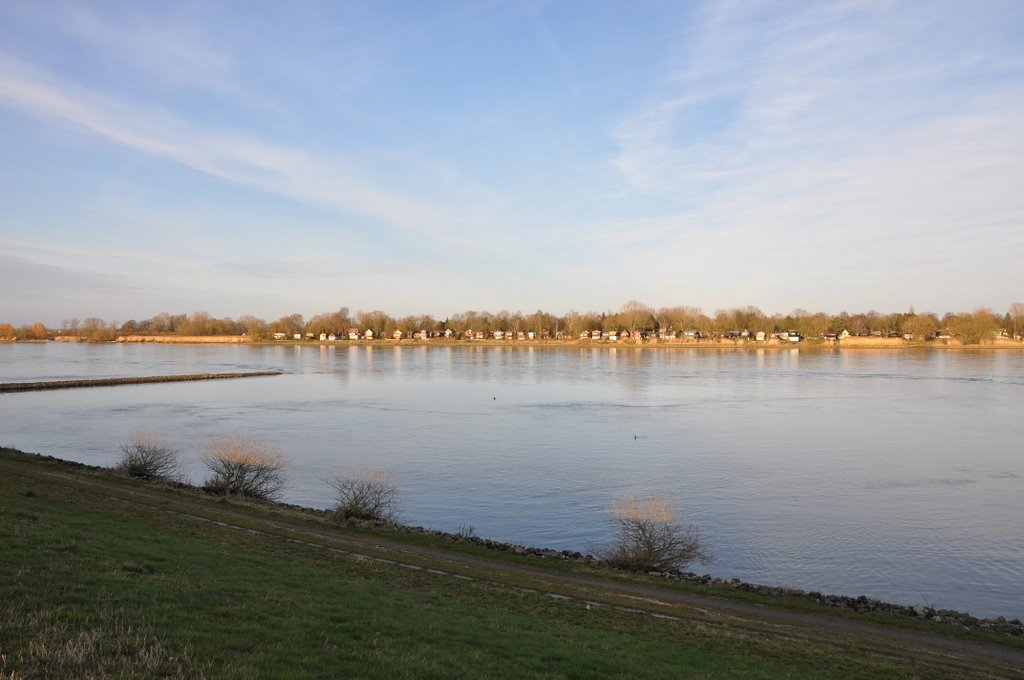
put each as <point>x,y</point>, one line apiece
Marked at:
<point>145,458</point>
<point>365,494</point>
<point>244,466</point>
<point>649,537</point>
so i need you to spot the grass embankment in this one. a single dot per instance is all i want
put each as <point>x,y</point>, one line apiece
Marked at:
<point>137,380</point>
<point>107,577</point>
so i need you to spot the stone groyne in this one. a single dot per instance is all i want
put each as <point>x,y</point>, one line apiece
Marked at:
<point>107,382</point>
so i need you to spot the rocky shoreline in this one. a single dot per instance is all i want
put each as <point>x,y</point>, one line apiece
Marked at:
<point>862,604</point>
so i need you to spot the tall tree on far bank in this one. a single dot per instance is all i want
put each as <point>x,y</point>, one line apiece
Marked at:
<point>539,322</point>
<point>200,323</point>
<point>1017,314</point>
<point>377,321</point>
<point>972,329</point>
<point>289,325</point>
<point>95,329</point>
<point>636,316</point>
<point>330,322</point>
<point>253,326</point>
<point>920,326</point>
<point>37,331</point>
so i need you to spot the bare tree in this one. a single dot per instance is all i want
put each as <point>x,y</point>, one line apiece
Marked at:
<point>200,323</point>
<point>1017,314</point>
<point>94,329</point>
<point>649,537</point>
<point>973,329</point>
<point>290,325</point>
<point>365,494</point>
<point>244,466</point>
<point>377,321</point>
<point>151,459</point>
<point>919,326</point>
<point>636,316</point>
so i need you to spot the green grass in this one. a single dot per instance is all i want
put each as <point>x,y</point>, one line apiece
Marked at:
<point>93,586</point>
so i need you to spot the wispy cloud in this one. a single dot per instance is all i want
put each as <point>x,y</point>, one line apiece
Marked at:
<point>830,138</point>
<point>177,53</point>
<point>274,168</point>
<point>169,49</point>
<point>787,120</point>
<point>787,143</point>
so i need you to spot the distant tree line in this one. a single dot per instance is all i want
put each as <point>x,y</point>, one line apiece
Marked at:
<point>634,316</point>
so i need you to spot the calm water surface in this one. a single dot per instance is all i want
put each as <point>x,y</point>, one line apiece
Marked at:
<point>893,474</point>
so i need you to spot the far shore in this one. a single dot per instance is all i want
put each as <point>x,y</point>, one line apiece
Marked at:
<point>710,343</point>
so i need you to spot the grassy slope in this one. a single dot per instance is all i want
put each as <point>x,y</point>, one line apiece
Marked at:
<point>94,586</point>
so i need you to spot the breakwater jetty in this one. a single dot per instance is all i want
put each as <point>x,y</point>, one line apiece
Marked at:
<point>135,380</point>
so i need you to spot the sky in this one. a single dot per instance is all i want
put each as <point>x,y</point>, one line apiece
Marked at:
<point>272,158</point>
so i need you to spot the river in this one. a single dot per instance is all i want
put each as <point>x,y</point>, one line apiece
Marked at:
<point>896,474</point>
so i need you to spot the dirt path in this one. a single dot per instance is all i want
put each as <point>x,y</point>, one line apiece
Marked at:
<point>969,656</point>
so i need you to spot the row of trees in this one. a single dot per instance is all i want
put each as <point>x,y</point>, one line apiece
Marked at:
<point>633,316</point>
<point>36,331</point>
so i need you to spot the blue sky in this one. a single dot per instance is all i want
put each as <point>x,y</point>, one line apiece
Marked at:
<point>434,157</point>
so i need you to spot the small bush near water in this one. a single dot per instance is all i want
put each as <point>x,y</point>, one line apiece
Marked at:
<point>243,466</point>
<point>649,537</point>
<point>144,458</point>
<point>366,494</point>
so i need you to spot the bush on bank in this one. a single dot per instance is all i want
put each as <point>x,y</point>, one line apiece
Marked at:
<point>244,466</point>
